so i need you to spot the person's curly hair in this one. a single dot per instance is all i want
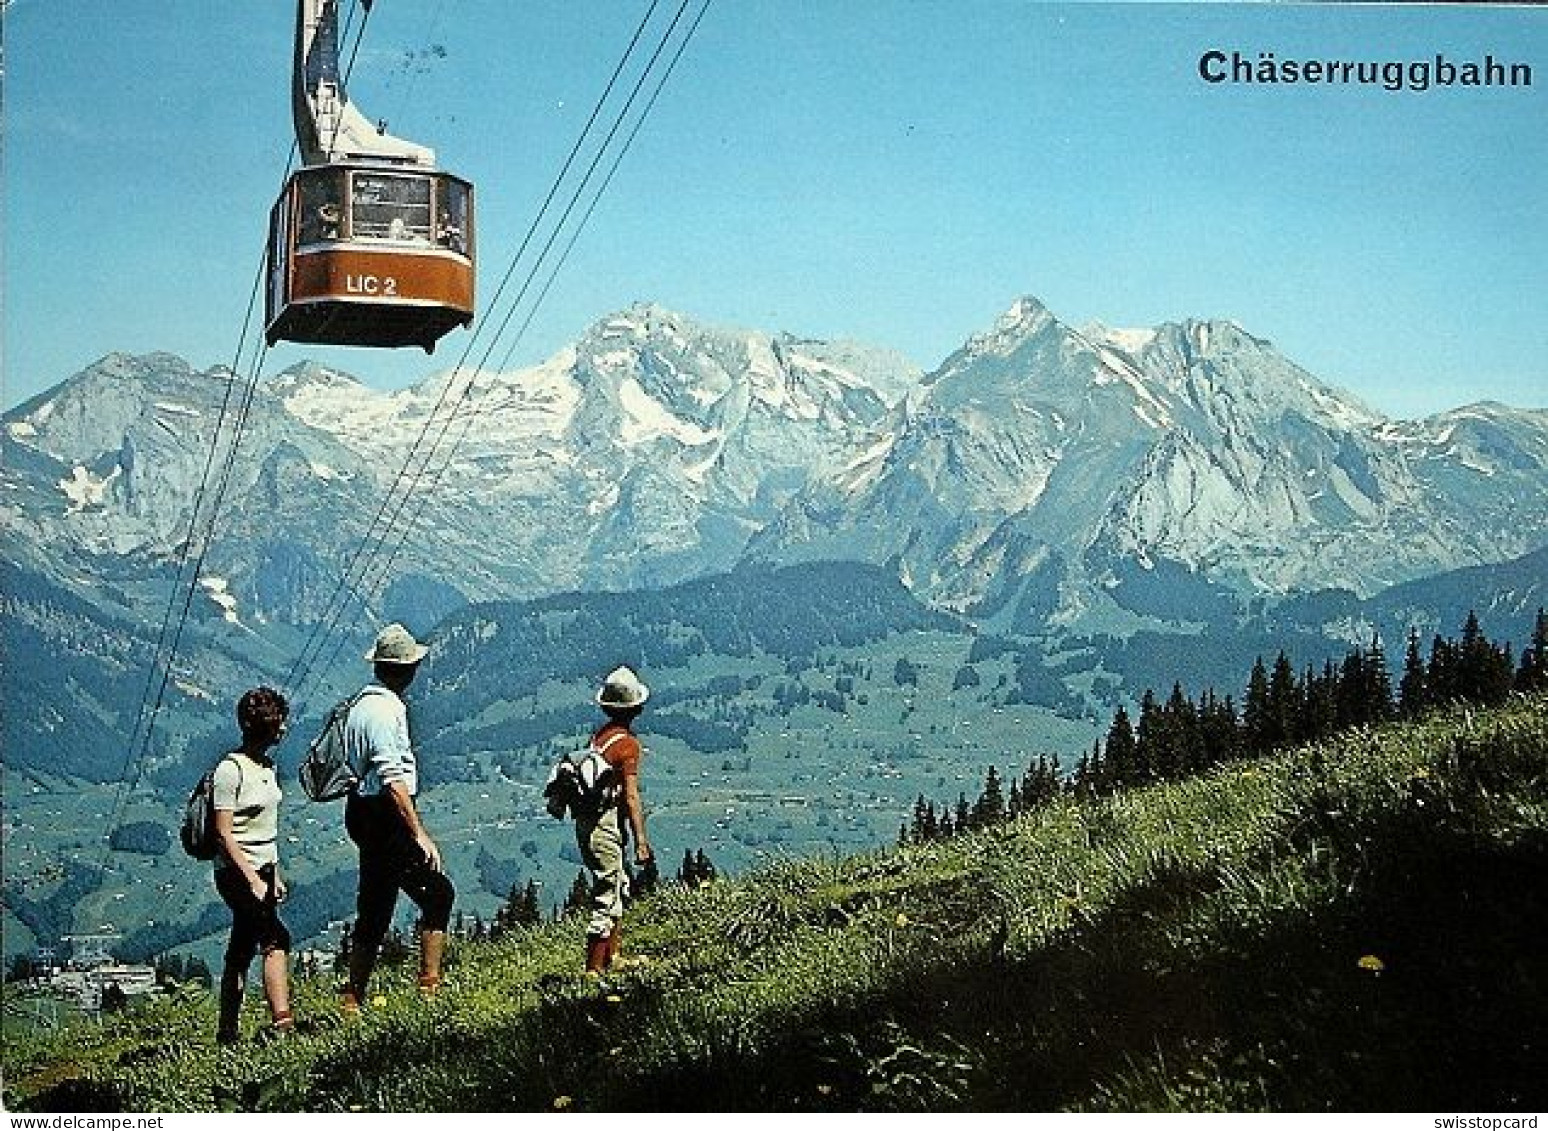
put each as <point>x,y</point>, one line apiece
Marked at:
<point>261,712</point>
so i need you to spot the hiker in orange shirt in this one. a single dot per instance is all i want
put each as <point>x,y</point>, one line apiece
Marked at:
<point>603,834</point>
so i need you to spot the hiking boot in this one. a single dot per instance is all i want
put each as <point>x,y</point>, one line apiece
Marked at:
<point>349,1003</point>
<point>227,1037</point>
<point>598,951</point>
<point>429,985</point>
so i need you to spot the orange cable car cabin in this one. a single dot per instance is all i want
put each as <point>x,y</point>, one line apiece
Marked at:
<point>369,243</point>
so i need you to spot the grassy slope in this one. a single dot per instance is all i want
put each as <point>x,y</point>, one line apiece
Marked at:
<point>1190,946</point>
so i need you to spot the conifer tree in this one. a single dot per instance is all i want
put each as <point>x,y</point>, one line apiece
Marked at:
<point>1284,723</point>
<point>916,831</point>
<point>1218,737</point>
<point>1378,683</point>
<point>1472,660</point>
<point>1352,690</point>
<point>579,897</point>
<point>1182,752</point>
<point>1532,675</point>
<point>528,912</point>
<point>1257,723</point>
<point>1041,784</point>
<point>1116,762</point>
<point>1441,676</point>
<point>1484,670</point>
<point>990,807</point>
<point>1322,702</point>
<point>1413,690</point>
<point>1149,743</point>
<point>1083,781</point>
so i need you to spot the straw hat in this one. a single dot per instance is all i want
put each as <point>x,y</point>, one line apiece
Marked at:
<point>395,645</point>
<point>622,688</point>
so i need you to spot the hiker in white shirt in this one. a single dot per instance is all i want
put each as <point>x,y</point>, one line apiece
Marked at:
<point>246,803</point>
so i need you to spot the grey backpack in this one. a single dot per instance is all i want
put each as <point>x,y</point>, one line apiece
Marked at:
<point>583,782</point>
<point>326,772</point>
<point>197,831</point>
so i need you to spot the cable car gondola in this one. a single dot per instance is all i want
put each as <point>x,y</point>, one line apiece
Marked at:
<point>369,243</point>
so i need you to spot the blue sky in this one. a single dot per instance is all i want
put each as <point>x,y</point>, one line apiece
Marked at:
<point>893,171</point>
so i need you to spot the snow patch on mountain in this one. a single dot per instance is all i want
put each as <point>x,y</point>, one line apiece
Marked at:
<point>215,588</point>
<point>83,489</point>
<point>646,419</point>
<point>1128,340</point>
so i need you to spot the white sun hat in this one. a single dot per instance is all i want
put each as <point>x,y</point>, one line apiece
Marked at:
<point>622,688</point>
<point>395,645</point>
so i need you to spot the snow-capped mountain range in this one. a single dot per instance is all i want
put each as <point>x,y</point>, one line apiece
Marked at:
<point>656,449</point>
<point>1194,443</point>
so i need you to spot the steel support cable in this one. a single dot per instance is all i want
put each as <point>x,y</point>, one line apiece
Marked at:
<point>186,580</point>
<point>198,502</point>
<point>607,181</point>
<point>290,163</point>
<point>368,589</point>
<point>363,551</point>
<point>165,653</point>
<point>465,410</point>
<point>348,586</point>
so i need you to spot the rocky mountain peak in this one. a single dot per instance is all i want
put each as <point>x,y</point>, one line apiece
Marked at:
<point>309,375</point>
<point>657,448</point>
<point>1024,319</point>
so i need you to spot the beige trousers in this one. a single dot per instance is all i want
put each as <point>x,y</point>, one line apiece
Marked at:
<point>601,843</point>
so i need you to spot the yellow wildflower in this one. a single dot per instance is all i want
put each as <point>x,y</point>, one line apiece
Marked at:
<point>1371,963</point>
<point>902,919</point>
<point>562,1103</point>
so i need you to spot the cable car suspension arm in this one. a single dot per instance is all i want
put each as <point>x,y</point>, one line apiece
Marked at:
<point>329,127</point>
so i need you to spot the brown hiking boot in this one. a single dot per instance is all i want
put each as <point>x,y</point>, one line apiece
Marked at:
<point>598,951</point>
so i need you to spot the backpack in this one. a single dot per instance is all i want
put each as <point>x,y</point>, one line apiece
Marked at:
<point>582,783</point>
<point>326,772</point>
<point>198,828</point>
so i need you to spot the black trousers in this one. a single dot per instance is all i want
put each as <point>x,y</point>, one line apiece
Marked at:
<point>390,862</point>
<point>255,923</point>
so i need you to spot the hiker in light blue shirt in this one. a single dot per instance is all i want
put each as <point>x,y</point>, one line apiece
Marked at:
<point>382,818</point>
<point>376,737</point>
